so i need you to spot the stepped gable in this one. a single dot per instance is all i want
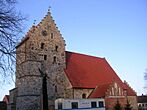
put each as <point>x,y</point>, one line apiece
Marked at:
<point>45,22</point>
<point>128,88</point>
<point>48,21</point>
<point>84,71</point>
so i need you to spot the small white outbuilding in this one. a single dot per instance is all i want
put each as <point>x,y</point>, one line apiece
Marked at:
<point>94,104</point>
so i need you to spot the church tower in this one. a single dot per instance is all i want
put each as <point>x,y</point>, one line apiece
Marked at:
<point>43,48</point>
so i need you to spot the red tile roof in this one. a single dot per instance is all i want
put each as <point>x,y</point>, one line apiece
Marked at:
<point>6,99</point>
<point>99,91</point>
<point>84,71</point>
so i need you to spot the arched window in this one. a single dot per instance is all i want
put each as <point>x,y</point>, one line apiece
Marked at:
<point>83,95</point>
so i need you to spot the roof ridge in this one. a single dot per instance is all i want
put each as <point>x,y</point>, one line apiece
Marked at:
<point>83,54</point>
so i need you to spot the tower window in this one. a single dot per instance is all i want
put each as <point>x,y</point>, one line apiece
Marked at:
<point>56,48</point>
<point>54,59</point>
<point>52,35</point>
<point>55,88</point>
<point>45,57</point>
<point>42,45</point>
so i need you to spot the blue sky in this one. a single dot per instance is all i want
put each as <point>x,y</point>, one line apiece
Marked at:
<point>114,29</point>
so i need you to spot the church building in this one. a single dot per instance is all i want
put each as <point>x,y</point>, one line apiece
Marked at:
<point>69,74</point>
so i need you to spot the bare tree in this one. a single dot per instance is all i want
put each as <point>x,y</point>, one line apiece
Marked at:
<point>10,28</point>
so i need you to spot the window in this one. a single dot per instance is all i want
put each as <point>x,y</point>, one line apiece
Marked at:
<point>93,104</point>
<point>45,57</point>
<point>42,45</point>
<point>55,88</point>
<point>59,105</point>
<point>54,59</point>
<point>101,104</point>
<point>52,35</point>
<point>74,105</point>
<point>56,48</point>
<point>84,96</point>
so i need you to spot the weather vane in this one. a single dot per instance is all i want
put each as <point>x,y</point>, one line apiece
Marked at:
<point>49,9</point>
